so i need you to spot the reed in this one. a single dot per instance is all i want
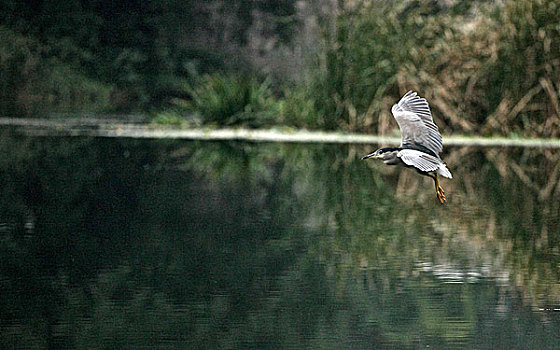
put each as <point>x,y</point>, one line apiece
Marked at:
<point>485,68</point>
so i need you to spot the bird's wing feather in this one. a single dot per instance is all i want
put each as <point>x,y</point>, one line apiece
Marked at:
<point>413,115</point>
<point>423,162</point>
<point>443,171</point>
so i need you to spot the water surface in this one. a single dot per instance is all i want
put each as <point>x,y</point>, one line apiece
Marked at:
<point>119,243</point>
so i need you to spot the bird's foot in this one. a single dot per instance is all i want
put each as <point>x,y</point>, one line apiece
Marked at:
<point>441,195</point>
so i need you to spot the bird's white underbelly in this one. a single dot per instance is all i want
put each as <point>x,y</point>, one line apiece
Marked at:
<point>424,162</point>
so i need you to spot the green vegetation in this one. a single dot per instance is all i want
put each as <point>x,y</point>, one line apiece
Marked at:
<point>32,82</point>
<point>122,56</point>
<point>231,100</point>
<point>487,68</point>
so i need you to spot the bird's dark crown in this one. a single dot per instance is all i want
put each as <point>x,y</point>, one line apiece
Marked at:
<point>380,151</point>
<point>388,149</point>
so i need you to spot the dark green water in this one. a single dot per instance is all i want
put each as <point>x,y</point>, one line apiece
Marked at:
<point>128,244</point>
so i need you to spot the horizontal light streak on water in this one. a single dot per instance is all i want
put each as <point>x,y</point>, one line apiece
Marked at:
<point>100,128</point>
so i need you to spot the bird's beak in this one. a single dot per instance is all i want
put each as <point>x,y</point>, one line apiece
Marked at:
<point>371,155</point>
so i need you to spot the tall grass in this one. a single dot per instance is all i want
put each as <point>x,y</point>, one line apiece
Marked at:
<point>486,68</point>
<point>524,76</point>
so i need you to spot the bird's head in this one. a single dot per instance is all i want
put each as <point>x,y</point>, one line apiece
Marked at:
<point>385,153</point>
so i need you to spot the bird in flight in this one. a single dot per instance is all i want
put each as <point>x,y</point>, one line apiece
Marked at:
<point>421,141</point>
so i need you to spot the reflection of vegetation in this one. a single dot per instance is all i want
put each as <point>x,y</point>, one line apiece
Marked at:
<point>120,243</point>
<point>516,229</point>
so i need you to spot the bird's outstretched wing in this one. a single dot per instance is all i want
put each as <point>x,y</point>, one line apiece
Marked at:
<point>415,121</point>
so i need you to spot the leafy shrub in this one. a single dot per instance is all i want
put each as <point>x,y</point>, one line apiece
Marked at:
<point>232,99</point>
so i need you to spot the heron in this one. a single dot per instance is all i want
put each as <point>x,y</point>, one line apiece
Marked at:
<point>421,142</point>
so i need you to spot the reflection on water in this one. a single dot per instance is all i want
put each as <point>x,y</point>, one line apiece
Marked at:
<point>136,244</point>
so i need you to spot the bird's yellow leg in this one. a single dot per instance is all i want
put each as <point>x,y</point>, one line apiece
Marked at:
<point>440,193</point>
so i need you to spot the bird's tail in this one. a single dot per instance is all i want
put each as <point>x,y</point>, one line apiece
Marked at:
<point>443,171</point>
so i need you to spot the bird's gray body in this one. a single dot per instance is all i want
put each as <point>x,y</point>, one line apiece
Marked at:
<point>421,141</point>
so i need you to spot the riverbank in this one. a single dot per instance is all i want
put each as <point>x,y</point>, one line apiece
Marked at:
<point>135,129</point>
<point>486,68</point>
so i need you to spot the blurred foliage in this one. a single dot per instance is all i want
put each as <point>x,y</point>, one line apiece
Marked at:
<point>143,51</point>
<point>30,82</point>
<point>119,243</point>
<point>231,100</point>
<point>298,108</point>
<point>169,118</point>
<point>523,70</point>
<point>487,67</point>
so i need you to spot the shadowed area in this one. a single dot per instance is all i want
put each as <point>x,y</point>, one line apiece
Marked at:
<point>119,243</point>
